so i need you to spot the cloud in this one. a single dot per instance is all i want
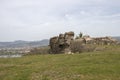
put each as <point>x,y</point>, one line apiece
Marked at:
<point>39,19</point>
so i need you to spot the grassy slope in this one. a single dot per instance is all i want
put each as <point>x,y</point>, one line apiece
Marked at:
<point>103,65</point>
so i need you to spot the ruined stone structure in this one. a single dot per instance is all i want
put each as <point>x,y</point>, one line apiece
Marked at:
<point>105,41</point>
<point>63,42</point>
<point>98,40</point>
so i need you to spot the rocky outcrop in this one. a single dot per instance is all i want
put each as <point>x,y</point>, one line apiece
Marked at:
<point>105,41</point>
<point>61,43</point>
<point>65,43</point>
<point>98,40</point>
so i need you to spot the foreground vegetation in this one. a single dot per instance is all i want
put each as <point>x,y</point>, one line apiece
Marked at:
<point>98,65</point>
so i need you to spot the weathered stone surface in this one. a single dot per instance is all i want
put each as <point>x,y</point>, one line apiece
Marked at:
<point>105,41</point>
<point>65,43</point>
<point>53,44</point>
<point>61,44</point>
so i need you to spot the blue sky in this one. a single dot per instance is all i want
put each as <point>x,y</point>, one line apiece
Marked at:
<point>42,19</point>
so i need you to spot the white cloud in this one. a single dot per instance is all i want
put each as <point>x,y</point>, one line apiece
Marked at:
<point>38,19</point>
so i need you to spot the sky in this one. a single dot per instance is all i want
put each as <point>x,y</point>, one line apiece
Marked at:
<point>41,19</point>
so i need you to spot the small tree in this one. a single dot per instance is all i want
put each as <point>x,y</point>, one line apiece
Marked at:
<point>81,35</point>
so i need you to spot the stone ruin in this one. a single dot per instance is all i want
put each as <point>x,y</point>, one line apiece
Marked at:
<point>62,43</point>
<point>98,40</point>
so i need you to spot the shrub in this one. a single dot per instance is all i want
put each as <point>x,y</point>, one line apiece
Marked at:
<point>78,47</point>
<point>40,50</point>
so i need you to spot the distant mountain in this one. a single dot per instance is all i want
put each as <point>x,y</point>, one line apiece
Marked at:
<point>117,37</point>
<point>21,44</point>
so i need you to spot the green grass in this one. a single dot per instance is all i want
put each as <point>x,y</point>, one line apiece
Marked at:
<point>99,65</point>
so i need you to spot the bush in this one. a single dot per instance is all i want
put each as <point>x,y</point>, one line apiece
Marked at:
<point>78,47</point>
<point>40,50</point>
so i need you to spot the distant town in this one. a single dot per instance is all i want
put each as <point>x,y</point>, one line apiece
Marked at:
<point>20,47</point>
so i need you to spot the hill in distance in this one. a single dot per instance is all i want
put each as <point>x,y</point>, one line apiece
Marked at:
<point>117,37</point>
<point>21,44</point>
